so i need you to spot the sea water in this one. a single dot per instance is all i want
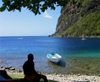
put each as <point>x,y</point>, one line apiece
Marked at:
<point>78,56</point>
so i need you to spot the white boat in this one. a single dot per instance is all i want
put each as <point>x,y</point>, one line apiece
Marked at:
<point>54,57</point>
<point>20,38</point>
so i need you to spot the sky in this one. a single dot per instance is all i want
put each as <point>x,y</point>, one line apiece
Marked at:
<point>25,23</point>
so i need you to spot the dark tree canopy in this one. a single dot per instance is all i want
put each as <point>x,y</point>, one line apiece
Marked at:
<point>36,6</point>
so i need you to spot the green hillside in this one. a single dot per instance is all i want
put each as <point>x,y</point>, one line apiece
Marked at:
<point>89,24</point>
<point>77,17</point>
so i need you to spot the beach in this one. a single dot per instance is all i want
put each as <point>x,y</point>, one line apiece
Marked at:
<point>69,78</point>
<point>73,78</point>
<point>56,77</point>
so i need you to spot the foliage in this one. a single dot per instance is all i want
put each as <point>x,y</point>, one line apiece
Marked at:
<point>36,6</point>
<point>18,76</point>
<point>89,24</point>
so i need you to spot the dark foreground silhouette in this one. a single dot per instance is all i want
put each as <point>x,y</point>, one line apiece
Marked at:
<point>29,71</point>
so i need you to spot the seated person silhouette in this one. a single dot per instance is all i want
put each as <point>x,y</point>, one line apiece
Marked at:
<point>30,72</point>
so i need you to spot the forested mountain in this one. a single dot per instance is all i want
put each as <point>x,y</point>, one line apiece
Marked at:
<point>77,17</point>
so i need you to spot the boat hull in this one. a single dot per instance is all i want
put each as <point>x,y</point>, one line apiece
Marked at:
<point>56,58</point>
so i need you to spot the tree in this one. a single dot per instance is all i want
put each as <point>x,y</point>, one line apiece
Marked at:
<point>36,6</point>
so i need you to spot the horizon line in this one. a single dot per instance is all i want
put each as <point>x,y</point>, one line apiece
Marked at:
<point>22,35</point>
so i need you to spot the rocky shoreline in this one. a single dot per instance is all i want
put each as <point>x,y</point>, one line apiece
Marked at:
<point>58,77</point>
<point>73,78</point>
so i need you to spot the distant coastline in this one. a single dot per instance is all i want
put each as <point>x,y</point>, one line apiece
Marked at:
<point>73,36</point>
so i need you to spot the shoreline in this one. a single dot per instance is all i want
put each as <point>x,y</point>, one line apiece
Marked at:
<point>75,36</point>
<point>12,70</point>
<point>59,77</point>
<point>68,78</point>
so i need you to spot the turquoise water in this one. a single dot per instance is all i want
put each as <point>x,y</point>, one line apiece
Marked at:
<point>79,56</point>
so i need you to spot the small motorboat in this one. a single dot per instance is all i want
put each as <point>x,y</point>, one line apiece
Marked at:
<point>20,38</point>
<point>54,57</point>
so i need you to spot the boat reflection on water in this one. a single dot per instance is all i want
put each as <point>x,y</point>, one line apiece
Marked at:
<point>57,67</point>
<point>58,64</point>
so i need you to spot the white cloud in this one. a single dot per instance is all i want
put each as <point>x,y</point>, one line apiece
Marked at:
<point>46,15</point>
